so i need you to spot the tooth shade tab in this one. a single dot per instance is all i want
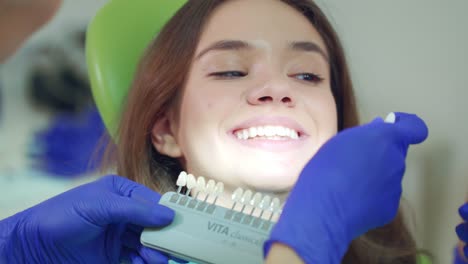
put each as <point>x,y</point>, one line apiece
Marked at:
<point>257,198</point>
<point>246,197</point>
<point>201,184</point>
<point>237,194</point>
<point>182,179</point>
<point>191,182</point>
<point>265,202</point>
<point>219,188</point>
<point>210,187</point>
<point>275,205</point>
<point>274,208</point>
<point>269,132</point>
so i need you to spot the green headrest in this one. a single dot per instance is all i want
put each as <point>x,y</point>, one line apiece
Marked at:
<point>116,39</point>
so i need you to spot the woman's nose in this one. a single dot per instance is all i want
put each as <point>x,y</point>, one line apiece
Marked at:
<point>272,93</point>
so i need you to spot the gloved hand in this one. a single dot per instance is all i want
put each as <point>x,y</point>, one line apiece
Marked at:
<point>462,232</point>
<point>351,185</point>
<point>99,222</point>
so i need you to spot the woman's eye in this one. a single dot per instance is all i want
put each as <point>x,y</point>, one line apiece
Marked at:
<point>228,74</point>
<point>309,77</point>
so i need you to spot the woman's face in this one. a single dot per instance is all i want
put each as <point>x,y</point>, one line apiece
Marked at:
<point>257,104</point>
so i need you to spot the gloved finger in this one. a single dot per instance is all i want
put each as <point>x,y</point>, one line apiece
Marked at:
<point>411,128</point>
<point>377,120</point>
<point>152,256</point>
<point>130,256</point>
<point>142,196</point>
<point>138,260</point>
<point>118,209</point>
<point>135,228</point>
<point>142,214</point>
<point>134,190</point>
<point>462,232</point>
<point>463,211</point>
<point>130,240</point>
<point>142,193</point>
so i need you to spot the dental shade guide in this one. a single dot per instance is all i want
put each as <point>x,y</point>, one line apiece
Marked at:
<point>206,233</point>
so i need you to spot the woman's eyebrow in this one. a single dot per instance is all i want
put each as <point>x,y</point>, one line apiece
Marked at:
<point>306,46</point>
<point>309,47</point>
<point>225,45</point>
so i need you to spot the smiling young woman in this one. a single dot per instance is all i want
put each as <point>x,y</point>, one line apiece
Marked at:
<point>244,92</point>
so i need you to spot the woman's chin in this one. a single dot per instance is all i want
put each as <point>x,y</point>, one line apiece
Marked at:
<point>270,182</point>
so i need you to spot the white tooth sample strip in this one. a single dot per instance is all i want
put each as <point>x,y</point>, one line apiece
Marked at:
<point>205,232</point>
<point>268,132</point>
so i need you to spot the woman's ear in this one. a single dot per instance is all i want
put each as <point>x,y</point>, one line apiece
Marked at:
<point>164,140</point>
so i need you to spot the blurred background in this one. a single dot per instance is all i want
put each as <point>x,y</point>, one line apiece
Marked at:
<point>405,56</point>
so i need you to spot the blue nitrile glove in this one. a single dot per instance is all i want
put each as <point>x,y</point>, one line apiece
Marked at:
<point>99,222</point>
<point>351,185</point>
<point>462,232</point>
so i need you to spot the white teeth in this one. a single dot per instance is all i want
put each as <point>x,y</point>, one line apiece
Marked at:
<point>245,133</point>
<point>281,131</point>
<point>269,132</point>
<point>252,132</point>
<point>260,131</point>
<point>293,134</point>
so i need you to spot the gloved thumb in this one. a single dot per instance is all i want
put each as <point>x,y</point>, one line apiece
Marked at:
<point>127,210</point>
<point>130,202</point>
<point>411,128</point>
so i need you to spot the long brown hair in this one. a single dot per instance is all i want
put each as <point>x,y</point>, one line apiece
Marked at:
<point>158,85</point>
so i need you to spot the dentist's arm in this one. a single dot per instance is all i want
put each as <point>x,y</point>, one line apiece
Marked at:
<point>19,19</point>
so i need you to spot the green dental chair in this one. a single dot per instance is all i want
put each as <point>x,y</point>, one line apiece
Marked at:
<point>116,39</point>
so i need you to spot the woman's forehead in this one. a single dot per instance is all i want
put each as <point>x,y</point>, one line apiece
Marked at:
<point>263,23</point>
